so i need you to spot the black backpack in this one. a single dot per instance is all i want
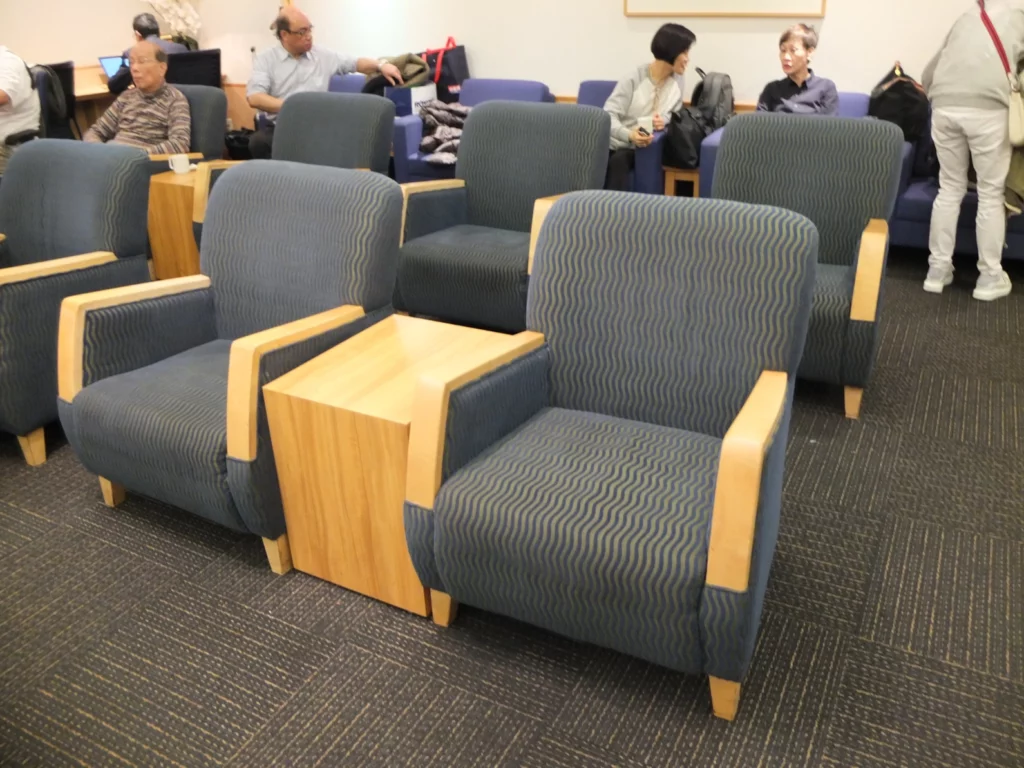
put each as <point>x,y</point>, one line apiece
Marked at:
<point>55,107</point>
<point>710,108</point>
<point>900,99</point>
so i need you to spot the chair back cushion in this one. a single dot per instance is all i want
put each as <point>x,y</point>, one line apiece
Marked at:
<point>209,110</point>
<point>838,172</point>
<point>477,90</point>
<point>350,83</point>
<point>63,198</point>
<point>343,130</point>
<point>853,104</point>
<point>666,310</point>
<point>513,153</point>
<point>283,241</point>
<point>595,93</point>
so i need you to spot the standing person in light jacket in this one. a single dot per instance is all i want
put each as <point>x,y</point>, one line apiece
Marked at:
<point>651,94</point>
<point>970,98</point>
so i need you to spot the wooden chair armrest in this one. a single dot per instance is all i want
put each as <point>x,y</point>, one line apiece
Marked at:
<point>244,371</point>
<point>870,267</point>
<point>541,208</point>
<point>71,336</point>
<point>738,486</point>
<point>430,419</point>
<point>164,157</point>
<point>201,186</point>
<point>54,266</point>
<point>415,187</point>
<point>2,237</point>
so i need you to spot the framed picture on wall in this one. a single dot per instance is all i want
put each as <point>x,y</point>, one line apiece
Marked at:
<point>734,8</point>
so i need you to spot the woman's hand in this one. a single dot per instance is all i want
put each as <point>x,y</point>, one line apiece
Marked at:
<point>659,123</point>
<point>638,139</point>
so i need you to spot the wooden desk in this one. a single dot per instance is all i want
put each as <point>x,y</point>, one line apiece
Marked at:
<point>170,225</point>
<point>340,429</point>
<point>92,97</point>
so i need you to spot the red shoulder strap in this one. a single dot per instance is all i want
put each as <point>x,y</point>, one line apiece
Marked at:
<point>995,36</point>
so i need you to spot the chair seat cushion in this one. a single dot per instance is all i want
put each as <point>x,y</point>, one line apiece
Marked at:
<point>162,431</point>
<point>421,169</point>
<point>830,318</point>
<point>591,526</point>
<point>468,274</point>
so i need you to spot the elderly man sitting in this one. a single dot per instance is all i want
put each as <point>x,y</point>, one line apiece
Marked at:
<point>153,115</point>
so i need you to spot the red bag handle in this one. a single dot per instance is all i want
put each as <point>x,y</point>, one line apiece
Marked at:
<point>440,57</point>
<point>995,37</point>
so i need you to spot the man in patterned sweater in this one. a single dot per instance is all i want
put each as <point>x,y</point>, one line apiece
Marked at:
<point>153,115</point>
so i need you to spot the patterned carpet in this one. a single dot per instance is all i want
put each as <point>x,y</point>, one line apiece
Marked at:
<point>893,633</point>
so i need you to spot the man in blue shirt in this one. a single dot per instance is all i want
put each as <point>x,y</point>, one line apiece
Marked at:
<point>800,92</point>
<point>298,66</point>
<point>145,27</point>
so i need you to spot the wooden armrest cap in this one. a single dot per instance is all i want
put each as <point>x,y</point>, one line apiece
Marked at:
<point>54,266</point>
<point>870,269</point>
<point>541,209</point>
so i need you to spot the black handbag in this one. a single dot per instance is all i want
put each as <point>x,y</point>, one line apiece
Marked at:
<point>450,69</point>
<point>900,99</point>
<point>683,138</point>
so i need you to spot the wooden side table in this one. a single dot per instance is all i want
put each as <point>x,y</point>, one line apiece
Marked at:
<point>672,175</point>
<point>170,225</point>
<point>340,429</point>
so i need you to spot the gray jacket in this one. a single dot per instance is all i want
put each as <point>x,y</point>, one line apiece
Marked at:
<point>636,97</point>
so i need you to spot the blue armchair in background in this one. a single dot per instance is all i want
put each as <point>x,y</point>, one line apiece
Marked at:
<point>467,240</point>
<point>160,384</point>
<point>619,480</point>
<point>409,164</point>
<point>843,174</point>
<point>351,83</point>
<point>72,220</point>
<point>209,112</point>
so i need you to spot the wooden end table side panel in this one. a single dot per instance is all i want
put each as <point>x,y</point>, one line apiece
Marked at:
<point>170,225</point>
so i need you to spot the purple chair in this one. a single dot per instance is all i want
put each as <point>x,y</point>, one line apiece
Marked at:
<point>409,163</point>
<point>352,83</point>
<point>648,176</point>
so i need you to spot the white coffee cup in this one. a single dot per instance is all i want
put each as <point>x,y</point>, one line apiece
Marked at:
<point>178,163</point>
<point>647,123</point>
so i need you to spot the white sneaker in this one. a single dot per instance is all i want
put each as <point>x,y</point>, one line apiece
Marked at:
<point>938,278</point>
<point>992,287</point>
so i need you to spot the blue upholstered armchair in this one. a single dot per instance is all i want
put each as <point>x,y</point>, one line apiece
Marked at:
<point>72,219</point>
<point>209,111</point>
<point>843,174</point>
<point>409,163</point>
<point>343,130</point>
<point>467,240</point>
<point>618,478</point>
<point>350,83</point>
<point>160,384</point>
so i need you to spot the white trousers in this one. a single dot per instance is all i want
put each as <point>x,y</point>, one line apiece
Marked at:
<point>960,135</point>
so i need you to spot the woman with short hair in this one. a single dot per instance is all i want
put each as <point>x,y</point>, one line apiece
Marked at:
<point>649,96</point>
<point>800,92</point>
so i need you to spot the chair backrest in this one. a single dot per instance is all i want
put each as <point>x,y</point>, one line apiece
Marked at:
<point>853,104</point>
<point>351,83</point>
<point>63,198</point>
<point>209,111</point>
<point>285,240</point>
<point>195,68</point>
<point>478,90</point>
<point>838,172</point>
<point>666,310</point>
<point>59,126</point>
<point>343,130</point>
<point>513,153</point>
<point>594,93</point>
<point>41,80</point>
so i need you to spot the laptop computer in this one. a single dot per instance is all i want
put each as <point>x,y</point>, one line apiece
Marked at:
<point>111,64</point>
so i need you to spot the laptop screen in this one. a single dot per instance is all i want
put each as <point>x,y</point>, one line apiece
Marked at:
<point>111,64</point>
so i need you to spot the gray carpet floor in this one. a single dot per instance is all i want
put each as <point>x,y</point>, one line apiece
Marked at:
<point>893,633</point>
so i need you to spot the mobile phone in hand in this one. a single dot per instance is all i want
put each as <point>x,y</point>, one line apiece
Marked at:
<point>643,131</point>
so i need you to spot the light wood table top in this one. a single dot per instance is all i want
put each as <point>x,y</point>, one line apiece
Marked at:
<point>91,83</point>
<point>340,430</point>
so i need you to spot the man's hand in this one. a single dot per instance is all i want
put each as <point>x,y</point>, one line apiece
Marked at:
<point>392,73</point>
<point>659,123</point>
<point>640,140</point>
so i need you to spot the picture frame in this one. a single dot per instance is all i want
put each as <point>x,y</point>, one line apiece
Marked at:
<point>778,9</point>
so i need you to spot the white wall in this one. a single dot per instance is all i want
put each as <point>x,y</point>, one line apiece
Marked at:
<point>557,41</point>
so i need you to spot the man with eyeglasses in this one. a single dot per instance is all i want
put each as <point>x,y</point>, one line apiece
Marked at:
<point>298,66</point>
<point>153,115</point>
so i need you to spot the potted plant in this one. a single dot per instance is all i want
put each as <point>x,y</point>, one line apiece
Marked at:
<point>182,19</point>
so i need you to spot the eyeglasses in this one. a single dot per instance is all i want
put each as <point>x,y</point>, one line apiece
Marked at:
<point>140,62</point>
<point>304,32</point>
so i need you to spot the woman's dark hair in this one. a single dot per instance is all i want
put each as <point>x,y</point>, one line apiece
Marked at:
<point>806,34</point>
<point>670,41</point>
<point>146,25</point>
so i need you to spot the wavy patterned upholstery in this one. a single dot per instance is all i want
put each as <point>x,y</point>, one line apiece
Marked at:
<point>59,199</point>
<point>209,111</point>
<point>282,241</point>
<point>578,481</point>
<point>343,130</point>
<point>840,173</point>
<point>511,154</point>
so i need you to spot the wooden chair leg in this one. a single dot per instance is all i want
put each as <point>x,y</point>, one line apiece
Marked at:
<point>443,608</point>
<point>670,184</point>
<point>33,447</point>
<point>279,554</point>
<point>725,697</point>
<point>113,494</point>
<point>853,396</point>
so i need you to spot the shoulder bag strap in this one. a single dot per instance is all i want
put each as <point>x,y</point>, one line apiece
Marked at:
<point>995,38</point>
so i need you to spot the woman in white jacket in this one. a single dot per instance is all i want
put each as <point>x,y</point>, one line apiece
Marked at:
<point>970,97</point>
